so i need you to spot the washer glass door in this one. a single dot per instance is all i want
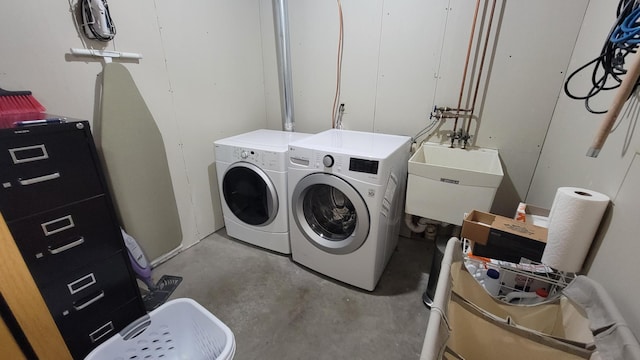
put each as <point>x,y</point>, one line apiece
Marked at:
<point>250,194</point>
<point>330,213</point>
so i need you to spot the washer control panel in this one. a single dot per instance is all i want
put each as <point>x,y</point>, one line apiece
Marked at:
<point>364,165</point>
<point>351,166</point>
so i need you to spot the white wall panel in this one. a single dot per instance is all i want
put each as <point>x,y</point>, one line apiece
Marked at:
<point>314,41</point>
<point>201,77</point>
<point>410,55</point>
<point>525,79</point>
<point>209,71</point>
<point>455,43</point>
<point>35,36</point>
<point>615,266</point>
<point>615,172</point>
<point>270,67</point>
<point>563,161</point>
<point>214,60</point>
<point>138,31</point>
<point>402,57</point>
<point>36,58</point>
<point>314,44</point>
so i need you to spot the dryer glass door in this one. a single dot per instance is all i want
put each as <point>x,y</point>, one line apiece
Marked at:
<point>250,194</point>
<point>330,213</point>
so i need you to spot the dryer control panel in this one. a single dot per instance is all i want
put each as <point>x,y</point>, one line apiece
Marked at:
<point>266,160</point>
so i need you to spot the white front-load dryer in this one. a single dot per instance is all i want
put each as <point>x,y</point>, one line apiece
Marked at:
<point>252,180</point>
<point>346,193</point>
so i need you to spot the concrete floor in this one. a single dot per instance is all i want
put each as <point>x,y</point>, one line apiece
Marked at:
<point>278,309</point>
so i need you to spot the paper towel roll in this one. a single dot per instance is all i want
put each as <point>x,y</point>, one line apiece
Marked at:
<point>573,221</point>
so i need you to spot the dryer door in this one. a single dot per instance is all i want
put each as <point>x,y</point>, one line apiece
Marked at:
<point>250,194</point>
<point>330,213</point>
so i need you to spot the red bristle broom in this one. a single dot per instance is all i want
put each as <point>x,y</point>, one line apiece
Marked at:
<point>18,106</point>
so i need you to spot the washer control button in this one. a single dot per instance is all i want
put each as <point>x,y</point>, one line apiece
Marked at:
<point>244,154</point>
<point>328,161</point>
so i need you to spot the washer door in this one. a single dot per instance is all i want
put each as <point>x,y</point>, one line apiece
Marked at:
<point>330,213</point>
<point>250,194</point>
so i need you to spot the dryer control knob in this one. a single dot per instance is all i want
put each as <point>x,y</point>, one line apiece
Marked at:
<point>328,161</point>
<point>244,154</point>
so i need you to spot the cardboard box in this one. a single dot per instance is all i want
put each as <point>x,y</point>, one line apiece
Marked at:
<point>502,238</point>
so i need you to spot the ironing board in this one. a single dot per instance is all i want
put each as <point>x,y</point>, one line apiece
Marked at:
<point>136,165</point>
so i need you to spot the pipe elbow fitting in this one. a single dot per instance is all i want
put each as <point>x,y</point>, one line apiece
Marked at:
<point>416,228</point>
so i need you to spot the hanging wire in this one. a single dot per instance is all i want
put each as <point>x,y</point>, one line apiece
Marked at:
<point>434,121</point>
<point>608,67</point>
<point>339,119</point>
<point>74,9</point>
<point>336,100</point>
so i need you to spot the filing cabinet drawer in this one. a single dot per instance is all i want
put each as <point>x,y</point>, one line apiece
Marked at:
<point>41,171</point>
<point>54,199</point>
<point>83,334</point>
<point>64,239</point>
<point>98,287</point>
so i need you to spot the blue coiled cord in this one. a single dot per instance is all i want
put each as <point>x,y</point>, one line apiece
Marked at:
<point>608,67</point>
<point>628,32</point>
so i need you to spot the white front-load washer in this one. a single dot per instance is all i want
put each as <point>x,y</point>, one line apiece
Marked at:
<point>346,194</point>
<point>252,180</point>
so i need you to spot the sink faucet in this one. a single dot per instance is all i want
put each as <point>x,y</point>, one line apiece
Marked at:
<point>465,139</point>
<point>461,136</point>
<point>454,135</point>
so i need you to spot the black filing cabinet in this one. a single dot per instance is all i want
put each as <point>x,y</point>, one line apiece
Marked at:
<point>54,198</point>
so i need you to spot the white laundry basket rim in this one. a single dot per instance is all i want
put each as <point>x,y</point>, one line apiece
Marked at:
<point>178,329</point>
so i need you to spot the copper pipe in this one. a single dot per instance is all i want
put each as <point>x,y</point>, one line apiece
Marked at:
<point>484,53</point>
<point>466,66</point>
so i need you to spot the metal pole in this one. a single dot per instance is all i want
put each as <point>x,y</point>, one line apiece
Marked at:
<point>281,24</point>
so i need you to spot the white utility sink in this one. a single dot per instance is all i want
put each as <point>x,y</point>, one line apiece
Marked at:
<point>446,182</point>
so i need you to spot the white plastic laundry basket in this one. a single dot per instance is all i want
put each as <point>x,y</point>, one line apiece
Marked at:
<point>178,329</point>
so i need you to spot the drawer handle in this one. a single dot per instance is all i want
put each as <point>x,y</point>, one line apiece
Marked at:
<point>57,225</point>
<point>89,302</point>
<point>39,179</point>
<point>101,332</point>
<point>82,283</point>
<point>66,247</point>
<point>40,152</point>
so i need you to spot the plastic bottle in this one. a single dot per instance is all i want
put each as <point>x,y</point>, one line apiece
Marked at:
<point>491,282</point>
<point>472,269</point>
<point>527,298</point>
